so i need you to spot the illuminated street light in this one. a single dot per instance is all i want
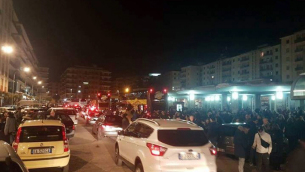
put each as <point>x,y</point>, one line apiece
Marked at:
<point>7,49</point>
<point>79,91</point>
<point>235,95</point>
<point>42,87</point>
<point>126,90</point>
<point>26,69</point>
<point>279,95</point>
<point>245,97</point>
<point>34,77</point>
<point>228,99</point>
<point>273,97</point>
<point>39,82</point>
<point>217,98</point>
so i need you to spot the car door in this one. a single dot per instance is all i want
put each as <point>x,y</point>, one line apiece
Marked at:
<point>127,142</point>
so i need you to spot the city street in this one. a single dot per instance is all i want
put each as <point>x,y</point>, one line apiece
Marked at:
<point>88,154</point>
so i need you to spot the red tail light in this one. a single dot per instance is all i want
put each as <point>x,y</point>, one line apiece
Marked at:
<point>73,128</point>
<point>156,150</point>
<point>17,140</point>
<point>213,150</point>
<point>66,141</point>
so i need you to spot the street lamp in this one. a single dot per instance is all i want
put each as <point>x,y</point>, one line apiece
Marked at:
<point>126,90</point>
<point>39,82</point>
<point>34,77</point>
<point>42,87</point>
<point>26,69</point>
<point>7,49</point>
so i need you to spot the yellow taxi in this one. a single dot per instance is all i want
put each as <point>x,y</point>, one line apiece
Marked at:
<point>43,144</point>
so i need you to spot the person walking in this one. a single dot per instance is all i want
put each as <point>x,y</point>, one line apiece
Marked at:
<point>10,127</point>
<point>263,144</point>
<point>213,130</point>
<point>125,121</point>
<point>276,156</point>
<point>240,145</point>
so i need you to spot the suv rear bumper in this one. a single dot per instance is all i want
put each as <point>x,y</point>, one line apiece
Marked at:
<point>47,162</point>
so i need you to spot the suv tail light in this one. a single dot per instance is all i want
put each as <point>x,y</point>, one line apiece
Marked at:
<point>156,150</point>
<point>17,140</point>
<point>66,141</point>
<point>73,128</point>
<point>213,150</point>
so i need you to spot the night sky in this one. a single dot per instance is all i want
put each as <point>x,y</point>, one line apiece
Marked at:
<point>131,37</point>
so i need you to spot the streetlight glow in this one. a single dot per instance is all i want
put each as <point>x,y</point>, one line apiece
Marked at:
<point>7,49</point>
<point>34,77</point>
<point>26,69</point>
<point>126,90</point>
<point>39,82</point>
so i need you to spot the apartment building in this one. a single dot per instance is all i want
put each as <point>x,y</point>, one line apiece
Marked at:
<point>133,83</point>
<point>210,73</point>
<point>190,77</point>
<point>54,88</point>
<point>84,82</point>
<point>293,56</point>
<point>171,80</point>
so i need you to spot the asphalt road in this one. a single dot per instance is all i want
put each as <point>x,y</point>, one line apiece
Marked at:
<point>88,154</point>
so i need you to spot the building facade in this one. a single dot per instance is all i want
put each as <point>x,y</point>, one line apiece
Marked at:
<point>293,55</point>
<point>84,82</point>
<point>190,77</point>
<point>171,80</point>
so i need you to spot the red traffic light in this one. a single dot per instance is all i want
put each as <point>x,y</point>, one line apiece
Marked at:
<point>151,90</point>
<point>165,90</point>
<point>108,94</point>
<point>98,94</point>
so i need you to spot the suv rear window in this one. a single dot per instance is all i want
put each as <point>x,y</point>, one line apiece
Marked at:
<point>182,137</point>
<point>113,120</point>
<point>41,134</point>
<point>227,131</point>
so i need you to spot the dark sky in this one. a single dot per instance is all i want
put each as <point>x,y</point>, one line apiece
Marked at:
<point>131,37</point>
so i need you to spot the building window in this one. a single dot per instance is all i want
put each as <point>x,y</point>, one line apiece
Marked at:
<point>276,50</point>
<point>276,65</point>
<point>287,68</point>
<point>287,76</point>
<point>287,58</point>
<point>276,57</point>
<point>287,50</point>
<point>287,41</point>
<point>276,72</point>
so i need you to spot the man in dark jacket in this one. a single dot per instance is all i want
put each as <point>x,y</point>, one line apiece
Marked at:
<point>125,121</point>
<point>240,145</point>
<point>213,130</point>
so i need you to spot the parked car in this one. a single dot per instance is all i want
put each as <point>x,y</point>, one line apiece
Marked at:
<point>68,111</point>
<point>107,125</point>
<point>92,118</point>
<point>226,138</point>
<point>9,160</point>
<point>43,144</point>
<point>153,145</point>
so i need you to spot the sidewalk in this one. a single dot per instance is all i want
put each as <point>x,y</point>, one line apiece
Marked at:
<point>87,157</point>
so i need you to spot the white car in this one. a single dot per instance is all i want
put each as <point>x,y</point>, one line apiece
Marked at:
<point>107,125</point>
<point>162,145</point>
<point>43,144</point>
<point>68,111</point>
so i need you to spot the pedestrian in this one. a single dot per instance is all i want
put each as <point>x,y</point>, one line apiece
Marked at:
<point>125,121</point>
<point>266,125</point>
<point>18,115</point>
<point>263,144</point>
<point>241,145</point>
<point>52,115</point>
<point>10,127</point>
<point>253,130</point>
<point>213,130</point>
<point>276,156</point>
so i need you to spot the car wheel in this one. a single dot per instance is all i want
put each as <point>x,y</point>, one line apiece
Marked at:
<point>139,167</point>
<point>117,159</point>
<point>65,169</point>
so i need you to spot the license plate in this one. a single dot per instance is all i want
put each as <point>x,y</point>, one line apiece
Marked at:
<point>189,156</point>
<point>41,151</point>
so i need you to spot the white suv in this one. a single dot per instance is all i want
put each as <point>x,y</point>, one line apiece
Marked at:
<point>165,145</point>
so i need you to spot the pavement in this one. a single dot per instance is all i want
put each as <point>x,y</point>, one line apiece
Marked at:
<point>89,154</point>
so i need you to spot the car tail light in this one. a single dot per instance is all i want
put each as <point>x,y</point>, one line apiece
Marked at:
<point>156,150</point>
<point>73,128</point>
<point>17,140</point>
<point>213,150</point>
<point>66,141</point>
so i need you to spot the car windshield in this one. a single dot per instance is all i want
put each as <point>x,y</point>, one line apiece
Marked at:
<point>41,134</point>
<point>227,130</point>
<point>182,137</point>
<point>115,120</point>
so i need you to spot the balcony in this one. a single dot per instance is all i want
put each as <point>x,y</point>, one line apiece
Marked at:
<point>226,76</point>
<point>265,61</point>
<point>298,50</point>
<point>244,73</point>
<point>300,39</point>
<point>298,59</point>
<point>268,54</point>
<point>244,66</point>
<point>244,59</point>
<point>266,69</point>
<point>299,68</point>
<point>226,63</point>
<point>226,69</point>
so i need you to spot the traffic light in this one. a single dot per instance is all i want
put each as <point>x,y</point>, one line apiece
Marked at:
<point>164,90</point>
<point>109,95</point>
<point>151,90</point>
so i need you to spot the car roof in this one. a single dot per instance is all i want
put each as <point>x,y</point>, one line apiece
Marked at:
<point>30,123</point>
<point>62,108</point>
<point>168,123</point>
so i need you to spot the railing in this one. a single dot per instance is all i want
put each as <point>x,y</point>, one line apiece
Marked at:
<point>265,61</point>
<point>299,40</point>
<point>298,59</point>
<point>244,59</point>
<point>226,63</point>
<point>244,73</point>
<point>244,66</point>
<point>225,70</point>
<point>299,68</point>
<point>265,69</point>
<point>298,50</point>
